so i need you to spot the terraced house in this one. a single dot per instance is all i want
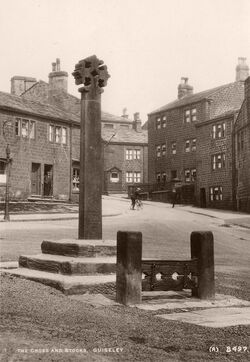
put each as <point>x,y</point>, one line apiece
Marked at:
<point>40,122</point>
<point>241,149</point>
<point>190,139</point>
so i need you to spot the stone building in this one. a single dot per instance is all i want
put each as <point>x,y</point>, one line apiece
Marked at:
<point>241,143</point>
<point>40,121</point>
<point>186,141</point>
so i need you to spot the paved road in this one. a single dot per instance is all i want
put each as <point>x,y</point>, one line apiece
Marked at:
<point>166,234</point>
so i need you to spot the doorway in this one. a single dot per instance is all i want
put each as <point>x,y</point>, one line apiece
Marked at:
<point>35,178</point>
<point>203,202</point>
<point>48,181</point>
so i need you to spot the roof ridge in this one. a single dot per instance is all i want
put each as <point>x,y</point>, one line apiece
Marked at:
<point>206,92</point>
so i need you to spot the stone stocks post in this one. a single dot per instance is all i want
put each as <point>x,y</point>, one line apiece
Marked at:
<point>93,75</point>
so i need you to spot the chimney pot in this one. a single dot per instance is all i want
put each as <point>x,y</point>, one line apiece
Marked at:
<point>124,113</point>
<point>58,65</point>
<point>242,69</point>
<point>184,88</point>
<point>58,80</point>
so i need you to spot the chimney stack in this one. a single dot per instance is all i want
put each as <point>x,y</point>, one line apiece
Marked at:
<point>124,113</point>
<point>137,122</point>
<point>242,70</point>
<point>58,80</point>
<point>19,84</point>
<point>184,89</point>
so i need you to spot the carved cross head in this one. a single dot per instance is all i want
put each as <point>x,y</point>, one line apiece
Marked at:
<point>91,71</point>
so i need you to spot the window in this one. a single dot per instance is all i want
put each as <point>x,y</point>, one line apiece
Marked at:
<point>17,127</point>
<point>158,151</point>
<point>114,176</point>
<point>158,123</point>
<point>215,193</point>
<point>64,135</point>
<point>75,180</point>
<point>219,130</point>
<point>218,161</point>
<point>187,146</point>
<point>57,134</point>
<point>133,177</point>
<point>193,115</point>
<point>25,128</point>
<point>137,154</point>
<point>164,122</point>
<point>163,150</point>
<point>2,167</point>
<point>190,175</point>
<point>193,145</point>
<point>158,177</point>
<point>129,154</point>
<point>187,175</point>
<point>190,115</point>
<point>137,177</point>
<point>173,174</point>
<point>32,129</point>
<point>193,174</point>
<point>174,146</point>
<point>51,133</point>
<point>129,177</point>
<point>164,177</point>
<point>187,116</point>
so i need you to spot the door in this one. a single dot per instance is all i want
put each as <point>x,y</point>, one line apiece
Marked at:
<point>48,181</point>
<point>35,178</point>
<point>203,197</point>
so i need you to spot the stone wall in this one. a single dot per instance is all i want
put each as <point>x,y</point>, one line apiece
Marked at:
<point>25,151</point>
<point>206,176</point>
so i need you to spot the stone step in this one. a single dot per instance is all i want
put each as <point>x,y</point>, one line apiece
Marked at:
<point>79,247</point>
<point>68,284</point>
<point>69,265</point>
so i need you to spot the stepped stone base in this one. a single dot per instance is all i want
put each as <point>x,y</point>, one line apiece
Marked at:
<point>69,265</point>
<point>79,247</point>
<point>73,266</point>
<point>69,285</point>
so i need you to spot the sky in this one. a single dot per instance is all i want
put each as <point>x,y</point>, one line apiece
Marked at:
<point>147,45</point>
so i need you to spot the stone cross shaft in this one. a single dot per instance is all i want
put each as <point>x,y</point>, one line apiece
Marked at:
<point>93,75</point>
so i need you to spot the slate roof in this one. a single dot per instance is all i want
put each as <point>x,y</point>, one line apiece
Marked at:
<point>222,94</point>
<point>12,102</point>
<point>73,101</point>
<point>124,136</point>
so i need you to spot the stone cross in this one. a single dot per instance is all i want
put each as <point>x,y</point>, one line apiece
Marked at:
<point>93,75</point>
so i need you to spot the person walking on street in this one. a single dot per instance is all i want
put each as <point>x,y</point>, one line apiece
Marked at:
<point>133,199</point>
<point>174,195</point>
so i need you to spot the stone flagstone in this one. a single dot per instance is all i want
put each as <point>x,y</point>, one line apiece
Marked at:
<point>170,300</point>
<point>214,318</point>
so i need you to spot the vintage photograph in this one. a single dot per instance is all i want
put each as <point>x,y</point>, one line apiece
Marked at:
<point>125,180</point>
